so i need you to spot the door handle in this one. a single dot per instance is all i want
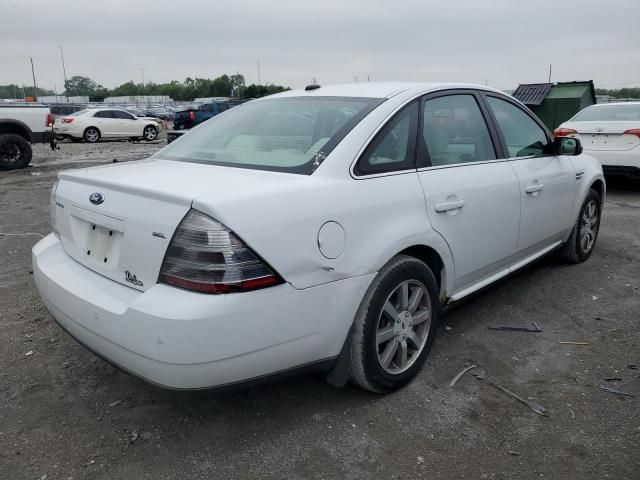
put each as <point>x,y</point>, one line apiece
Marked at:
<point>535,188</point>
<point>448,206</point>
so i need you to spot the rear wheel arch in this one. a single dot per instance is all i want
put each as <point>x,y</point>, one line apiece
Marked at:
<point>17,128</point>
<point>431,258</point>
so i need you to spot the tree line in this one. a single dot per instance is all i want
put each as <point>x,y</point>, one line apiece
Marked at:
<point>627,92</point>
<point>188,90</point>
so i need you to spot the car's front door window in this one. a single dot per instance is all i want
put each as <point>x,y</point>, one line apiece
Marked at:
<point>523,136</point>
<point>454,131</point>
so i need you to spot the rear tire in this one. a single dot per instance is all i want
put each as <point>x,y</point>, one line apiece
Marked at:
<point>394,327</point>
<point>91,135</point>
<point>15,152</point>
<point>582,241</point>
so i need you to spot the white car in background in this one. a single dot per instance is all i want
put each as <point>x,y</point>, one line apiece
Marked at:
<point>611,133</point>
<point>91,125</point>
<point>314,229</point>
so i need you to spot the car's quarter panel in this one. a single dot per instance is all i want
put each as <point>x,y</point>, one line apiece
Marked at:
<point>482,234</point>
<point>182,339</point>
<point>380,217</point>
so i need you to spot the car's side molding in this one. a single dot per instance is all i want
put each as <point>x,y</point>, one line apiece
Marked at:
<point>503,273</point>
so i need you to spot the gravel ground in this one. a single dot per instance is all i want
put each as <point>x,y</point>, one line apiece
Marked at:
<point>65,413</point>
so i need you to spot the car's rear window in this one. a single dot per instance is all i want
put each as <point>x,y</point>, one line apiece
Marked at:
<point>609,113</point>
<point>291,134</point>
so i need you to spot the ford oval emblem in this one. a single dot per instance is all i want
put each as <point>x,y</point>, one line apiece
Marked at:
<point>96,198</point>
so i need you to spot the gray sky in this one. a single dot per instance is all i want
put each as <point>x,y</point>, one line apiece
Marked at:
<point>505,42</point>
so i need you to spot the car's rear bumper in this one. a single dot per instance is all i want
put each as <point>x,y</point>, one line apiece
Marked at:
<point>616,158</point>
<point>181,339</point>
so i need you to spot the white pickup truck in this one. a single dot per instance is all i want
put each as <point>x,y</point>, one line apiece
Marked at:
<point>20,126</point>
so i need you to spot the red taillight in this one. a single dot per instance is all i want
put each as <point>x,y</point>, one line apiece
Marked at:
<point>205,256</point>
<point>564,132</point>
<point>49,121</point>
<point>633,131</point>
<point>67,120</point>
<point>192,116</point>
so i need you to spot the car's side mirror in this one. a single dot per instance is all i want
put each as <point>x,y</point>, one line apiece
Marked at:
<point>567,146</point>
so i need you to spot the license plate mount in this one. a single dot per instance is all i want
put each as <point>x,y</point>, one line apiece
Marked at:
<point>102,246</point>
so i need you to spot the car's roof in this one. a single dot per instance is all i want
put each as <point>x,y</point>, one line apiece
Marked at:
<point>377,89</point>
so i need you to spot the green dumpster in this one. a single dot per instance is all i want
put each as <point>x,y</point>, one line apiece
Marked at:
<point>556,103</point>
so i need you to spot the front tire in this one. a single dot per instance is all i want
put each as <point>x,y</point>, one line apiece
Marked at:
<point>579,247</point>
<point>91,135</point>
<point>395,326</point>
<point>15,152</point>
<point>150,133</point>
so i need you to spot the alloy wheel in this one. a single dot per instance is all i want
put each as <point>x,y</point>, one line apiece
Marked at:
<point>403,326</point>
<point>589,226</point>
<point>150,133</point>
<point>92,135</point>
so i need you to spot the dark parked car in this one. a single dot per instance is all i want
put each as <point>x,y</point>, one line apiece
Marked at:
<point>194,116</point>
<point>62,109</point>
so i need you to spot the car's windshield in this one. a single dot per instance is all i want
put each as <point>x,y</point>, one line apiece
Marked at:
<point>609,113</point>
<point>78,113</point>
<point>292,134</point>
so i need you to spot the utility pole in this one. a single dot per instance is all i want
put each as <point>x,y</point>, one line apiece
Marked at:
<point>142,75</point>
<point>64,71</point>
<point>550,73</point>
<point>259,83</point>
<point>35,87</point>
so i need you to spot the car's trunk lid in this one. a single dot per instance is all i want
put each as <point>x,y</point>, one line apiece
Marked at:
<point>118,220</point>
<point>601,136</point>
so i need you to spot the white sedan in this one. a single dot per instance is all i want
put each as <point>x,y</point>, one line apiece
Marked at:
<point>314,229</point>
<point>91,125</point>
<point>609,132</point>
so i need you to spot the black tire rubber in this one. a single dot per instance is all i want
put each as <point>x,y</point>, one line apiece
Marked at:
<point>15,152</point>
<point>572,250</point>
<point>84,135</point>
<point>365,370</point>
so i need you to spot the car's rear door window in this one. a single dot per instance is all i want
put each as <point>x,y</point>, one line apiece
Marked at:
<point>393,148</point>
<point>454,131</point>
<point>522,135</point>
